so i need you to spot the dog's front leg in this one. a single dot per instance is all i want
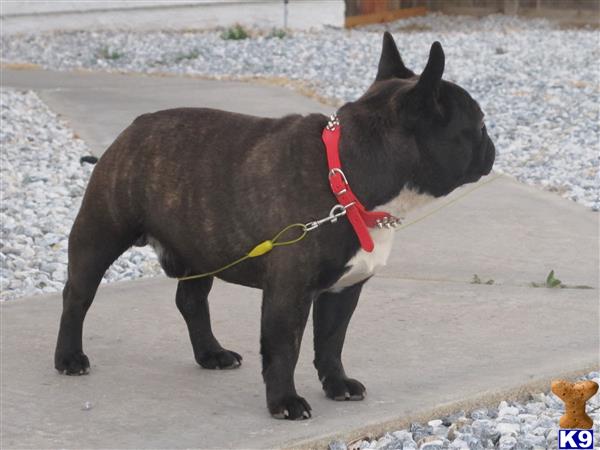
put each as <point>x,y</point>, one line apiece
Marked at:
<point>331,315</point>
<point>285,310</point>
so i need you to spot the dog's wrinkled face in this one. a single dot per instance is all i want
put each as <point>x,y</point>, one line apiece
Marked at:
<point>447,124</point>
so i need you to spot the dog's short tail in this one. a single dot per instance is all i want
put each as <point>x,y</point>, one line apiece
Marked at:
<point>88,159</point>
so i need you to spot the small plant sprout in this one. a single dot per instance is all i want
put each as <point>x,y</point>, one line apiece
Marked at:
<point>278,33</point>
<point>192,54</point>
<point>109,54</point>
<point>477,280</point>
<point>552,282</point>
<point>235,33</point>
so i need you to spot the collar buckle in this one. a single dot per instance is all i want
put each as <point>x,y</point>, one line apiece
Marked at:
<point>335,170</point>
<point>338,186</point>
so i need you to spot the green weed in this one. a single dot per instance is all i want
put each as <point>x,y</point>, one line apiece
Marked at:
<point>235,33</point>
<point>552,283</point>
<point>477,280</point>
<point>106,53</point>
<point>193,54</point>
<point>278,33</point>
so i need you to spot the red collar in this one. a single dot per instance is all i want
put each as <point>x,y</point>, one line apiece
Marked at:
<point>359,217</point>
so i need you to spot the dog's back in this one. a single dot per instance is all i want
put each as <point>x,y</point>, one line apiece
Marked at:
<point>204,167</point>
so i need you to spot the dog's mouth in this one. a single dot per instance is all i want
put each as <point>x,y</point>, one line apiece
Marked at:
<point>489,156</point>
<point>482,162</point>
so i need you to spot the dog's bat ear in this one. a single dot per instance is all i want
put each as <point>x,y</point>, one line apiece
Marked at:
<point>430,79</point>
<point>422,100</point>
<point>390,62</point>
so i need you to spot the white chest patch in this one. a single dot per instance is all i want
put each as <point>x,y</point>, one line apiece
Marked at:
<point>364,264</point>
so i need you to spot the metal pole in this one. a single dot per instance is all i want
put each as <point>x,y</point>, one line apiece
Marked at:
<point>285,14</point>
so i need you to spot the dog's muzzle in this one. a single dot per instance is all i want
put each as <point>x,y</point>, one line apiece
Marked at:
<point>483,159</point>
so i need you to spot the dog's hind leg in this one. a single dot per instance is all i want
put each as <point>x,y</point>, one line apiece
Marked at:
<point>93,247</point>
<point>331,315</point>
<point>192,302</point>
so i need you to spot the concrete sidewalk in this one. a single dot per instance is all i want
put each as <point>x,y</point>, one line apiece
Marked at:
<point>424,340</point>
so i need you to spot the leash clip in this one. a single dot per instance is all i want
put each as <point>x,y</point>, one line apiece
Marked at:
<point>334,214</point>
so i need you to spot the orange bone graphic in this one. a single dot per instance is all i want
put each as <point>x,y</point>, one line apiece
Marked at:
<point>575,395</point>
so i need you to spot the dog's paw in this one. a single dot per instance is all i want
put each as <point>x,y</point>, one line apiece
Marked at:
<point>292,407</point>
<point>338,388</point>
<point>75,363</point>
<point>220,359</point>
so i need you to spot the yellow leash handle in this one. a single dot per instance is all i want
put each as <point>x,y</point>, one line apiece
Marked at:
<point>259,250</point>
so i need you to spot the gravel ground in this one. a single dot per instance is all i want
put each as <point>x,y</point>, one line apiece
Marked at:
<point>510,426</point>
<point>42,183</point>
<point>538,84</point>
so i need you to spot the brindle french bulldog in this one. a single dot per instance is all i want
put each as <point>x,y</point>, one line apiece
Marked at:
<point>203,186</point>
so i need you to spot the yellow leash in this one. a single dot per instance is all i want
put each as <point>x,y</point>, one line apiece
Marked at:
<point>268,245</point>
<point>259,250</point>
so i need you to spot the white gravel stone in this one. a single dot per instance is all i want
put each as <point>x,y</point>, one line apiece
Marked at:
<point>507,443</point>
<point>458,444</point>
<point>435,444</point>
<point>535,407</point>
<point>508,428</point>
<point>537,83</point>
<point>505,410</point>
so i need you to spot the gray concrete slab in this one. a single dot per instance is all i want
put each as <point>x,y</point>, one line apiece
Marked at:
<point>100,105</point>
<point>416,345</point>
